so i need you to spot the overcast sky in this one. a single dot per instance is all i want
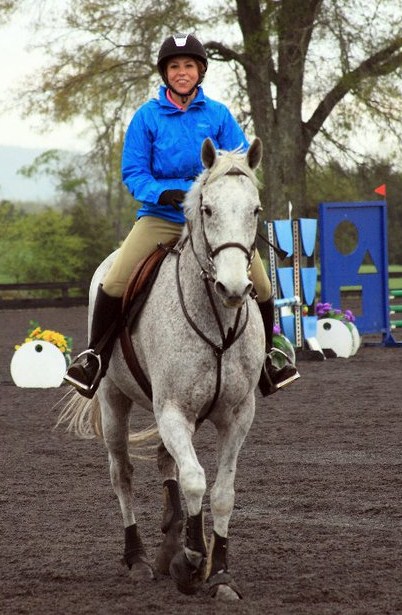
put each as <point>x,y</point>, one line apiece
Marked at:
<point>16,62</point>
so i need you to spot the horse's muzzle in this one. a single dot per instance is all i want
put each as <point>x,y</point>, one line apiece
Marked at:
<point>233,299</point>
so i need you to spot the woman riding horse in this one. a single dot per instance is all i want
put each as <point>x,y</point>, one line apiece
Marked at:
<point>161,159</point>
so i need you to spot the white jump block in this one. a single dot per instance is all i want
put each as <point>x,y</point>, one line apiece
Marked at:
<point>332,334</point>
<point>38,364</point>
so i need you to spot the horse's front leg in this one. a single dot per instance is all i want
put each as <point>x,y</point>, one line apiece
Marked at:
<point>231,435</point>
<point>115,426</point>
<point>187,567</point>
<point>172,518</point>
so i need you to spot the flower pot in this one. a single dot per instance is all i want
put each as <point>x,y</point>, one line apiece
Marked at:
<point>335,335</point>
<point>38,364</point>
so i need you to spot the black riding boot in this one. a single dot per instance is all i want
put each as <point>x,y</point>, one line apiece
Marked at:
<point>273,378</point>
<point>87,369</point>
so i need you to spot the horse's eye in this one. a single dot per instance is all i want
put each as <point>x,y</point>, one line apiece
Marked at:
<point>207,210</point>
<point>257,210</point>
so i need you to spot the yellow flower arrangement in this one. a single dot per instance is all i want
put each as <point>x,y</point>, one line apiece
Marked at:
<point>35,332</point>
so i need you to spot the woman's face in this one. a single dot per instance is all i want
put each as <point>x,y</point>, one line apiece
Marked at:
<point>182,73</point>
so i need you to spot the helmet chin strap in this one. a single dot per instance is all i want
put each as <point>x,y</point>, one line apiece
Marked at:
<point>184,97</point>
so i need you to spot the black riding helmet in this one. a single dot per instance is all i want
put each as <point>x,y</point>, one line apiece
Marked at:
<point>181,45</point>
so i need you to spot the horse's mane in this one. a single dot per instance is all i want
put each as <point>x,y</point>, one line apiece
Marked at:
<point>234,162</point>
<point>226,163</point>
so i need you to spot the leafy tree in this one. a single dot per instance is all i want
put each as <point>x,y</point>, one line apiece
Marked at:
<point>8,215</point>
<point>308,72</point>
<point>91,185</point>
<point>89,200</point>
<point>96,234</point>
<point>40,247</point>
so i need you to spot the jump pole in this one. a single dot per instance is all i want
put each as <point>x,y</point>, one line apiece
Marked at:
<point>395,309</point>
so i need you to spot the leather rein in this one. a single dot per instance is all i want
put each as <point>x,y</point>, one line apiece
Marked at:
<point>208,277</point>
<point>227,339</point>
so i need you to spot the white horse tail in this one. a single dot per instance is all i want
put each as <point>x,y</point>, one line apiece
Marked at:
<point>82,417</point>
<point>140,440</point>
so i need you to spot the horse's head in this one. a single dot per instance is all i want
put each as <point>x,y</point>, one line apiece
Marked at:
<point>223,214</point>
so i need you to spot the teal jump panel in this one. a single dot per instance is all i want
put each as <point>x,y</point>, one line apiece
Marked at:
<point>285,276</point>
<point>308,234</point>
<point>309,283</point>
<point>288,327</point>
<point>284,235</point>
<point>309,326</point>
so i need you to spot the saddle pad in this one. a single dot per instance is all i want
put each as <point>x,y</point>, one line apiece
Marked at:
<point>137,291</point>
<point>142,272</point>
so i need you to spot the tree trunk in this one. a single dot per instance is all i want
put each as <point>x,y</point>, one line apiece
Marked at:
<point>278,122</point>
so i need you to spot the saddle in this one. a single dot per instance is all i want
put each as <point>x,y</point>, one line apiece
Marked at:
<point>135,296</point>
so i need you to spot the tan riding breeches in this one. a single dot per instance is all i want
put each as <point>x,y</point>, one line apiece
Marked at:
<point>144,238</point>
<point>141,241</point>
<point>261,281</point>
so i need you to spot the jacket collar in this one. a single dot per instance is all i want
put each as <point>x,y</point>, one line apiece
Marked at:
<point>168,107</point>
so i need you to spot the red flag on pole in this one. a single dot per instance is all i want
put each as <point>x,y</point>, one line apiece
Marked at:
<point>381,190</point>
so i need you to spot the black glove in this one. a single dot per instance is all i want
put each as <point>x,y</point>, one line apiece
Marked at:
<point>172,197</point>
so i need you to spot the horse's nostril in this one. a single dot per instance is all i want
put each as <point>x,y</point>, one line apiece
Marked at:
<point>220,288</point>
<point>248,288</point>
<point>223,291</point>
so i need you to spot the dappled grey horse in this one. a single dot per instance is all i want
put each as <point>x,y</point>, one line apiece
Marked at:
<point>200,342</point>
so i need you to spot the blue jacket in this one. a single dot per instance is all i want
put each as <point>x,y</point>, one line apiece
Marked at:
<point>162,148</point>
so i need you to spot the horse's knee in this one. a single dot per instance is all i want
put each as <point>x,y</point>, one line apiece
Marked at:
<point>193,481</point>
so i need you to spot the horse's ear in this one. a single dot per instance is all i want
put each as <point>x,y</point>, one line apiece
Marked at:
<point>254,153</point>
<point>208,153</point>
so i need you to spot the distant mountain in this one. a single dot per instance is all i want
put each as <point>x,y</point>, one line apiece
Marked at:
<point>15,187</point>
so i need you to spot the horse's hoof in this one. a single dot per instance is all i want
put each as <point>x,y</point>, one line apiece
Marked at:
<point>140,570</point>
<point>222,587</point>
<point>226,593</point>
<point>164,557</point>
<point>188,578</point>
<point>171,545</point>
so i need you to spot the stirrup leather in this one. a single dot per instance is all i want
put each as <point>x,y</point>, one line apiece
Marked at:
<point>79,385</point>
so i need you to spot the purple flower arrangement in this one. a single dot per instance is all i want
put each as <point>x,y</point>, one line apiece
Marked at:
<point>325,310</point>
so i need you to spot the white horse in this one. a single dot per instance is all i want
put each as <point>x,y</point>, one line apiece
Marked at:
<point>200,342</point>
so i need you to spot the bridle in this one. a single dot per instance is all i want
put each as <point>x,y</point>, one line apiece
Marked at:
<point>210,252</point>
<point>209,277</point>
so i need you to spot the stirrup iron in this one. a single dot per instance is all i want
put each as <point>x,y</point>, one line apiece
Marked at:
<point>282,352</point>
<point>295,376</point>
<point>79,385</point>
